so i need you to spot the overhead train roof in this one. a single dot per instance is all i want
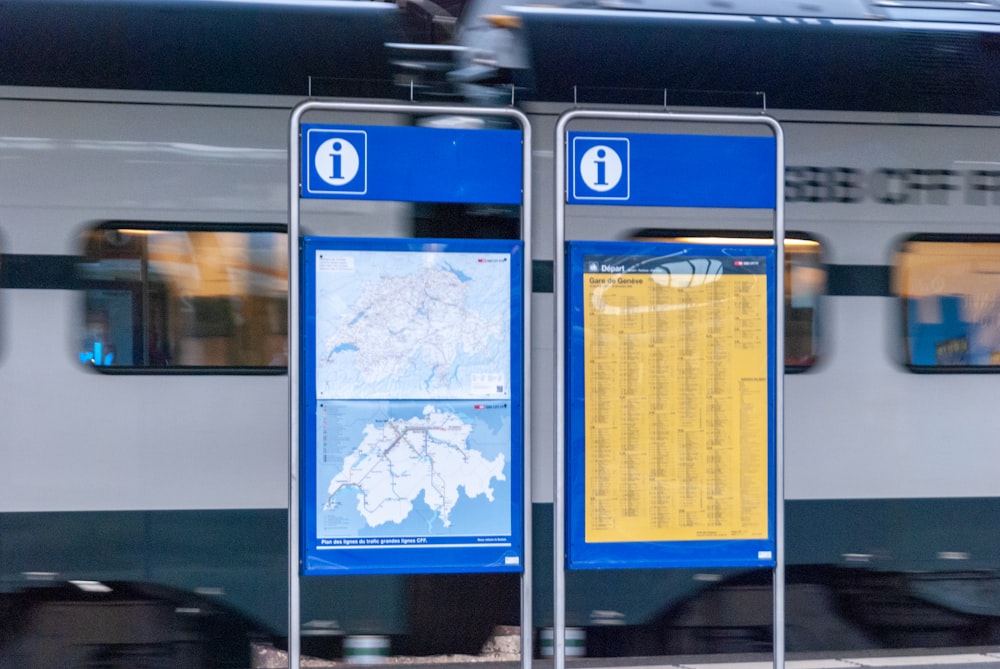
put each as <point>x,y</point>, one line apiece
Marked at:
<point>601,55</point>
<point>240,46</point>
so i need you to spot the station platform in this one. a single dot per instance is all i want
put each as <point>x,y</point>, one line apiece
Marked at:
<point>955,658</point>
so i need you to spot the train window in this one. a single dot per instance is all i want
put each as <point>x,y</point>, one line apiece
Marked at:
<point>805,283</point>
<point>949,288</point>
<point>184,298</point>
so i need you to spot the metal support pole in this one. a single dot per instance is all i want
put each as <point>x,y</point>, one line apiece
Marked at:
<point>778,587</point>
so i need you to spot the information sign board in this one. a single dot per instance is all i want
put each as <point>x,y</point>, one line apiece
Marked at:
<point>642,169</point>
<point>411,391</point>
<point>670,386</point>
<point>411,164</point>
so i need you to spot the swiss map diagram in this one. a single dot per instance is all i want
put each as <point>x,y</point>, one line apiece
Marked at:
<point>413,389</point>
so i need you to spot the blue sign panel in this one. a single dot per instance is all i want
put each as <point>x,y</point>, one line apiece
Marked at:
<point>412,164</point>
<point>671,170</point>
<point>671,413</point>
<point>412,405</point>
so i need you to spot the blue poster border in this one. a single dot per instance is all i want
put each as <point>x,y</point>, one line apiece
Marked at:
<point>433,555</point>
<point>640,555</point>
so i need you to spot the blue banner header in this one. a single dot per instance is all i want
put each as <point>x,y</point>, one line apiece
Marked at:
<point>671,170</point>
<point>411,164</point>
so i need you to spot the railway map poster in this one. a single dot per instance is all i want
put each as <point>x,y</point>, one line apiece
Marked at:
<point>413,430</point>
<point>670,410</point>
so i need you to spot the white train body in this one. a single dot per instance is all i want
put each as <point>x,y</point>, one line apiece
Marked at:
<point>860,428</point>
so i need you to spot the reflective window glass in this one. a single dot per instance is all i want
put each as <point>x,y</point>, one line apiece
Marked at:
<point>805,283</point>
<point>184,298</point>
<point>949,287</point>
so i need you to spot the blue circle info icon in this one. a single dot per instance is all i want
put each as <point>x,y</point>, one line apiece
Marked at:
<point>600,168</point>
<point>337,162</point>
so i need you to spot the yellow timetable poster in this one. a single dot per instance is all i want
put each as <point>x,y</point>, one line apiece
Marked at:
<point>675,377</point>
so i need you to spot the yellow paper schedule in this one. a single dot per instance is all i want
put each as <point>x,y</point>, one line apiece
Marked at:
<point>676,406</point>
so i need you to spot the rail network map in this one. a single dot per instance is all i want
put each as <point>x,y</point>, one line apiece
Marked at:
<point>411,325</point>
<point>413,382</point>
